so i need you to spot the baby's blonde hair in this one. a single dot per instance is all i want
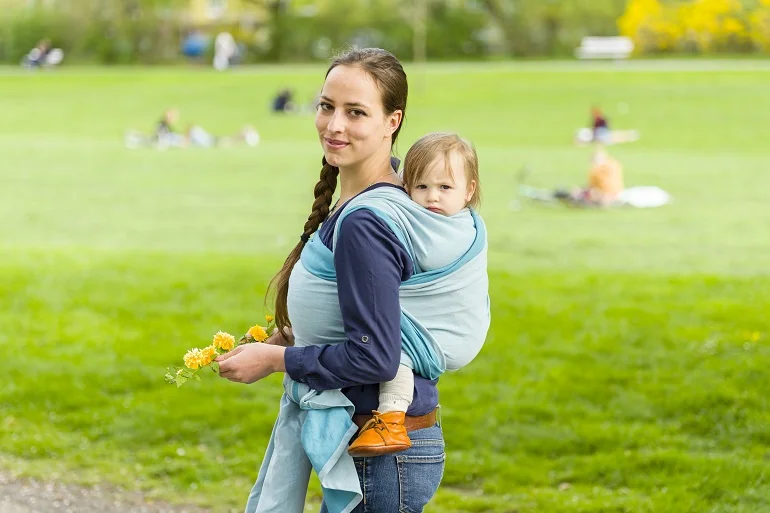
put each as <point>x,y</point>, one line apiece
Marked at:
<point>425,151</point>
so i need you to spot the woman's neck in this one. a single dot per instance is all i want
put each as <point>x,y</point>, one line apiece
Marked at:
<point>354,180</point>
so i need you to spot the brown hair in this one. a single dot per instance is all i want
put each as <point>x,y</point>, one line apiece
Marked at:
<point>425,151</point>
<point>387,72</point>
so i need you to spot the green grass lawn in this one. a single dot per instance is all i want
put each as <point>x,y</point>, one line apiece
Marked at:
<point>627,365</point>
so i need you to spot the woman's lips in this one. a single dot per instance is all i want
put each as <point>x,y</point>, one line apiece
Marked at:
<point>335,144</point>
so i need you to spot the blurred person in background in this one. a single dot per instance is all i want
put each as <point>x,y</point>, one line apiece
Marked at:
<point>37,56</point>
<point>194,45</point>
<point>600,126</point>
<point>605,179</point>
<point>43,56</point>
<point>604,185</point>
<point>167,135</point>
<point>225,51</point>
<point>599,131</point>
<point>283,101</point>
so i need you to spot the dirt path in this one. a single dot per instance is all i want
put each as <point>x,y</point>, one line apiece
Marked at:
<point>31,496</point>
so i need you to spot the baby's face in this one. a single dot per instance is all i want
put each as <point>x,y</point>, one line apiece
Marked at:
<point>442,191</point>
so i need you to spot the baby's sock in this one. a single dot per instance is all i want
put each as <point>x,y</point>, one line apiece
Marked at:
<point>396,395</point>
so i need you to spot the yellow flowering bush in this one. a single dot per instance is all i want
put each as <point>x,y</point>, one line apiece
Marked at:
<point>196,359</point>
<point>702,26</point>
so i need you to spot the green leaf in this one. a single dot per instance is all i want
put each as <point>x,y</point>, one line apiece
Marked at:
<point>215,367</point>
<point>197,377</point>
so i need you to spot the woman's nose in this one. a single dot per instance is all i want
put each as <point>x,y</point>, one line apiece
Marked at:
<point>336,122</point>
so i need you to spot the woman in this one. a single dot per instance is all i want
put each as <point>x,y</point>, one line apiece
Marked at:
<point>360,114</point>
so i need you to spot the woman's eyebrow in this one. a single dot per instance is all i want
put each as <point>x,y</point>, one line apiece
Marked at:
<point>348,104</point>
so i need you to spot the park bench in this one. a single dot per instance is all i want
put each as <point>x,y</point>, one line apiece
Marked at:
<point>604,48</point>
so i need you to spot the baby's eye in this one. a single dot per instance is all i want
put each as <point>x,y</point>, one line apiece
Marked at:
<point>446,187</point>
<point>421,186</point>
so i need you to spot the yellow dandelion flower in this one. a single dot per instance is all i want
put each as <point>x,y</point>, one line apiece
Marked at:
<point>269,318</point>
<point>192,359</point>
<point>224,341</point>
<point>207,355</point>
<point>258,333</point>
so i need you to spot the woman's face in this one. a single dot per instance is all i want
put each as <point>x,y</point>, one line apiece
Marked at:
<point>351,122</point>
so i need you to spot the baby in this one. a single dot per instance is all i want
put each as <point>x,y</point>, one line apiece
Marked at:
<point>441,173</point>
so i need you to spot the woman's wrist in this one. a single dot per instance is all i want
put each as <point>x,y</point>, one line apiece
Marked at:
<point>277,362</point>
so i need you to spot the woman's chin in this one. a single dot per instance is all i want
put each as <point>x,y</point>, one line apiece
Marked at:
<point>333,159</point>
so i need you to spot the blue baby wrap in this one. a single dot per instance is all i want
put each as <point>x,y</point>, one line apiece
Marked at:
<point>444,321</point>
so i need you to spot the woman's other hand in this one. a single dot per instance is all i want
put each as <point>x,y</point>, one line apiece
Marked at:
<point>251,362</point>
<point>276,339</point>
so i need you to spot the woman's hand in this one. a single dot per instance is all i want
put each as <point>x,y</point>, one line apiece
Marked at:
<point>251,362</point>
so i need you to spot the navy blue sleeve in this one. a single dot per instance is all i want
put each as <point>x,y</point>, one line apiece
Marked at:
<point>371,263</point>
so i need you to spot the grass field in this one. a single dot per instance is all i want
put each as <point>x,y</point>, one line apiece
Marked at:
<point>627,365</point>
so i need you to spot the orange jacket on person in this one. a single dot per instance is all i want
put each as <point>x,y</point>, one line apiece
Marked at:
<point>605,180</point>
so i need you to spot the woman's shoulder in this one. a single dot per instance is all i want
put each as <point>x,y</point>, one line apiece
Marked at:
<point>386,200</point>
<point>382,201</point>
<point>364,241</point>
<point>365,227</point>
<point>384,208</point>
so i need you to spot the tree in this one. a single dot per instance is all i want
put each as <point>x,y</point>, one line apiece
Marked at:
<point>502,15</point>
<point>277,12</point>
<point>551,27</point>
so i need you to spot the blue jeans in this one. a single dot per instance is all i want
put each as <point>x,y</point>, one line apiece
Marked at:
<point>403,482</point>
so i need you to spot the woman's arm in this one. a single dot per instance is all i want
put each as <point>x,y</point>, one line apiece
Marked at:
<point>371,263</point>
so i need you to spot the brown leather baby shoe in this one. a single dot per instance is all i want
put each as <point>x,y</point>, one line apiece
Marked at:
<point>384,433</point>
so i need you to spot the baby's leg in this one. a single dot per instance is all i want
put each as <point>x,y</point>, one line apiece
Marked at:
<point>396,395</point>
<point>385,432</point>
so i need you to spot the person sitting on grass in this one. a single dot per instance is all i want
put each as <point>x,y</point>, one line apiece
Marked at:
<point>283,101</point>
<point>604,187</point>
<point>605,181</point>
<point>167,135</point>
<point>43,55</point>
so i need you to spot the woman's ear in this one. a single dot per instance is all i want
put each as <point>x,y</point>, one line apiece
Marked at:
<point>394,121</point>
<point>471,191</point>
